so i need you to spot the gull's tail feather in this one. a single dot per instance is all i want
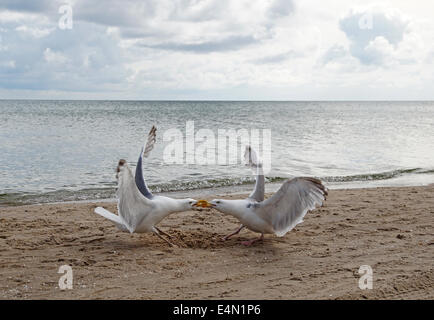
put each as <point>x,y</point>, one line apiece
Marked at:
<point>117,220</point>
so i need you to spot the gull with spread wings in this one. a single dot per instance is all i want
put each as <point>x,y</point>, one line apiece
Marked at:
<point>138,209</point>
<point>276,215</point>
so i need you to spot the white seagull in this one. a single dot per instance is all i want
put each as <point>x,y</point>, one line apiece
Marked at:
<point>278,214</point>
<point>139,210</point>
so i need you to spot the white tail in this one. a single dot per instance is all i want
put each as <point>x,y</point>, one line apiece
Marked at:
<point>117,220</point>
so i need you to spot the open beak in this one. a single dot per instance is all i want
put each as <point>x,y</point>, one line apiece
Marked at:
<point>203,204</point>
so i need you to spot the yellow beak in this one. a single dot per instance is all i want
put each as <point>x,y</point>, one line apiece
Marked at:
<point>203,204</point>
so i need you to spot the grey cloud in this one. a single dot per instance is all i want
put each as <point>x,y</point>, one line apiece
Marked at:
<point>29,6</point>
<point>90,60</point>
<point>209,11</point>
<point>137,20</point>
<point>334,53</point>
<point>136,33</point>
<point>158,24</point>
<point>134,13</point>
<point>281,8</point>
<point>390,27</point>
<point>227,44</point>
<point>278,58</point>
<point>127,13</point>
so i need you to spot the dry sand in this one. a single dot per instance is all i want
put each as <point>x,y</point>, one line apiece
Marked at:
<point>390,229</point>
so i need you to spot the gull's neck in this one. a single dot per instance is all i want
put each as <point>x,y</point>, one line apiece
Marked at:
<point>236,208</point>
<point>175,205</point>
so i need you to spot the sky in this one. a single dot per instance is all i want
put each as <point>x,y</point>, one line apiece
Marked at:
<point>217,49</point>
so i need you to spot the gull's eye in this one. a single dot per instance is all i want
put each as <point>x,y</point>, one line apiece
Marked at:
<point>217,202</point>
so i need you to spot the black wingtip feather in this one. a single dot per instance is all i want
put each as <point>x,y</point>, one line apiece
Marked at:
<point>318,183</point>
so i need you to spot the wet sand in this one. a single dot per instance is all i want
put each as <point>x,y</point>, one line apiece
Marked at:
<point>389,229</point>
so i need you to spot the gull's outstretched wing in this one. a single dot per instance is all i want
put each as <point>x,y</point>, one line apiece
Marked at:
<point>250,157</point>
<point>146,150</point>
<point>252,160</point>
<point>117,220</point>
<point>287,207</point>
<point>152,138</point>
<point>132,205</point>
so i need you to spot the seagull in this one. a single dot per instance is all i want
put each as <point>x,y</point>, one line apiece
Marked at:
<point>278,214</point>
<point>139,210</point>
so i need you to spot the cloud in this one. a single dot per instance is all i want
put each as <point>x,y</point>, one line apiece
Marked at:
<point>54,57</point>
<point>281,8</point>
<point>378,50</point>
<point>8,64</point>
<point>34,32</point>
<point>227,44</point>
<point>277,58</point>
<point>189,26</point>
<point>28,6</point>
<point>334,53</point>
<point>371,33</point>
<point>127,13</point>
<point>169,49</point>
<point>83,59</point>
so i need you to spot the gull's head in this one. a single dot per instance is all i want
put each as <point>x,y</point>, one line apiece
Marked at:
<point>121,164</point>
<point>227,206</point>
<point>190,203</point>
<point>218,204</point>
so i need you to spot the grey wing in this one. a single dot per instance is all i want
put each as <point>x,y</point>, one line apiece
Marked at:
<point>251,159</point>
<point>287,207</point>
<point>146,150</point>
<point>132,205</point>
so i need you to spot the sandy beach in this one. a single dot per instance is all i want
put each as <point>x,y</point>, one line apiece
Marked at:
<point>389,229</point>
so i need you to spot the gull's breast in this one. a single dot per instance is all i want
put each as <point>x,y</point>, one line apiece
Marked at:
<point>256,223</point>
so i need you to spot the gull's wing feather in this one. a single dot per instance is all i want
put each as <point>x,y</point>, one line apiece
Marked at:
<point>132,205</point>
<point>252,160</point>
<point>250,157</point>
<point>259,190</point>
<point>146,150</point>
<point>287,207</point>
<point>117,220</point>
<point>152,138</point>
